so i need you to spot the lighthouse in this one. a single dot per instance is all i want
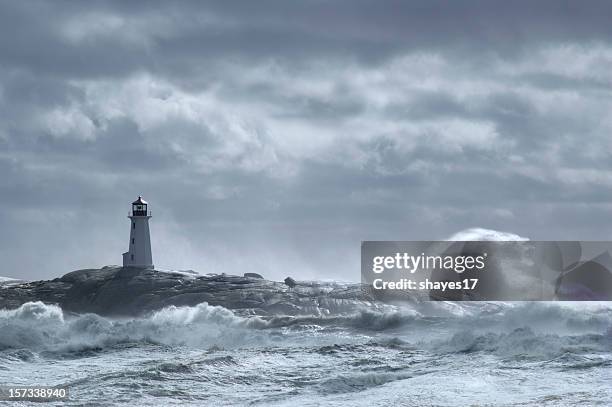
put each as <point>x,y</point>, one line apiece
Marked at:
<point>139,252</point>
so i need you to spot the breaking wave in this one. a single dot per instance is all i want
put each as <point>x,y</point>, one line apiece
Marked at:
<point>502,329</point>
<point>525,343</point>
<point>40,326</point>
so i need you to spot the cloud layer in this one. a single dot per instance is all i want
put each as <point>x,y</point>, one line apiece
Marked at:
<point>274,137</point>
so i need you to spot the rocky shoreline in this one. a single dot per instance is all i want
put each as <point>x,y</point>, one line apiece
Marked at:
<point>122,291</point>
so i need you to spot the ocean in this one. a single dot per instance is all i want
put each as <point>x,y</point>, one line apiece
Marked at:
<point>428,354</point>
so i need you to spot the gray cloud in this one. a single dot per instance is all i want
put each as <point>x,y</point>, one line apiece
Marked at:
<point>274,137</point>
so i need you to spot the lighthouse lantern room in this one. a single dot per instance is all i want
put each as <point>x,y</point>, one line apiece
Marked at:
<point>139,252</point>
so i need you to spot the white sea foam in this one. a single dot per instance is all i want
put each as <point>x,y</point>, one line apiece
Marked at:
<point>428,353</point>
<point>41,326</point>
<point>480,234</point>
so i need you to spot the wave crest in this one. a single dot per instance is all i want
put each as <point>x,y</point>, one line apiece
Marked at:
<point>45,327</point>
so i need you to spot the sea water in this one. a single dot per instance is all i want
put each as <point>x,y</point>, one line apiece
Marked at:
<point>434,353</point>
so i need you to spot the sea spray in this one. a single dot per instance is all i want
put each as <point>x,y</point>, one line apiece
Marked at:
<point>520,353</point>
<point>45,327</point>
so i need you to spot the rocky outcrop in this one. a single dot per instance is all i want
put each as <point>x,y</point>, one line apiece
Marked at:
<point>129,291</point>
<point>290,282</point>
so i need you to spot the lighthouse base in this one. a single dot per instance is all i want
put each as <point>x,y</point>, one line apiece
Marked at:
<point>128,262</point>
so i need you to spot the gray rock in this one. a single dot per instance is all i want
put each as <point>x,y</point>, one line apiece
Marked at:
<point>290,282</point>
<point>115,290</point>
<point>253,275</point>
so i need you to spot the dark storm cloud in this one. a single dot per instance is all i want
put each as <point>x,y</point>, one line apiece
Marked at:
<point>273,136</point>
<point>106,39</point>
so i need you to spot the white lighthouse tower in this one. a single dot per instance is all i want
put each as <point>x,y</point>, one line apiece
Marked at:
<point>139,253</point>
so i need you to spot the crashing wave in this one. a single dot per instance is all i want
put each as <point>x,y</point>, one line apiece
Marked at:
<point>503,329</point>
<point>45,327</point>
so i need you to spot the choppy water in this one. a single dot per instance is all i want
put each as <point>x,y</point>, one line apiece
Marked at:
<point>441,354</point>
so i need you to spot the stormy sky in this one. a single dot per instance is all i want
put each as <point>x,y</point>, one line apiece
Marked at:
<point>274,136</point>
